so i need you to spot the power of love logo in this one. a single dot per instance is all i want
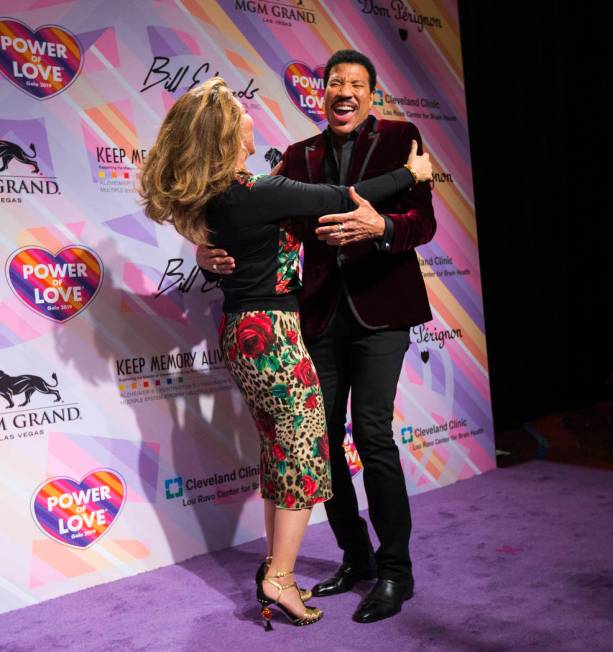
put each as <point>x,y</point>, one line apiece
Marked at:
<point>79,513</point>
<point>305,86</point>
<point>56,286</point>
<point>41,63</point>
<point>351,453</point>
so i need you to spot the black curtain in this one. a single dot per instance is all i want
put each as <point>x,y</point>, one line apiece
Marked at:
<point>537,77</point>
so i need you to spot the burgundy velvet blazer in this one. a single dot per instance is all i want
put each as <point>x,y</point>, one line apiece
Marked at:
<point>386,287</point>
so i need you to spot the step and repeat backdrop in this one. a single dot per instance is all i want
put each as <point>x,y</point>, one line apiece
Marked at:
<point>123,443</point>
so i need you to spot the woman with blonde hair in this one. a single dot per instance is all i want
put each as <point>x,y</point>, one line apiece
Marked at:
<point>195,177</point>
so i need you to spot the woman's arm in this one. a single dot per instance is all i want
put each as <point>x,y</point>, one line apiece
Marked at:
<point>277,197</point>
<point>385,186</point>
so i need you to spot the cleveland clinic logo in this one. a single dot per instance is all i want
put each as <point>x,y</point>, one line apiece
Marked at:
<point>412,108</point>
<point>235,485</point>
<point>174,488</point>
<point>407,434</point>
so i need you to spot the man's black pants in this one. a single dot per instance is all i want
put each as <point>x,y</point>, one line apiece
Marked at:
<point>348,357</point>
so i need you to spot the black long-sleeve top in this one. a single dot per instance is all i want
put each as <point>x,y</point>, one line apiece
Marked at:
<point>247,220</point>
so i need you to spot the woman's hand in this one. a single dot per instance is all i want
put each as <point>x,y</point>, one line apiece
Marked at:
<point>420,166</point>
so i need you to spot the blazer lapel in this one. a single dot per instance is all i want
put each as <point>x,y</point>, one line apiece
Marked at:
<point>315,155</point>
<point>362,151</point>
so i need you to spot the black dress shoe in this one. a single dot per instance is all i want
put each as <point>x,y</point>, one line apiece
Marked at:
<point>345,578</point>
<point>384,600</point>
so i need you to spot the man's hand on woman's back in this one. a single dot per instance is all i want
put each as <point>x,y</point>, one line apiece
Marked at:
<point>216,261</point>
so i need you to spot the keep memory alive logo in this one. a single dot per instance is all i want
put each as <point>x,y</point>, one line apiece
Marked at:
<point>167,375</point>
<point>55,286</point>
<point>114,156</point>
<point>75,513</point>
<point>40,63</point>
<point>115,168</point>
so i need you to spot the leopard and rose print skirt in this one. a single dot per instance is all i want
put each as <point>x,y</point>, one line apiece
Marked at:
<point>266,356</point>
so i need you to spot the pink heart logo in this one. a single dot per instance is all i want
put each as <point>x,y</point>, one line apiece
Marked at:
<point>351,452</point>
<point>41,63</point>
<point>77,514</point>
<point>305,87</point>
<point>58,286</point>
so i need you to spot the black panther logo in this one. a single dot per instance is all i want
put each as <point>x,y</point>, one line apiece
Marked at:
<point>12,385</point>
<point>273,156</point>
<point>10,151</point>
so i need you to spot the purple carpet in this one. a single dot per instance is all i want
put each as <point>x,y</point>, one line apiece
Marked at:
<point>516,559</point>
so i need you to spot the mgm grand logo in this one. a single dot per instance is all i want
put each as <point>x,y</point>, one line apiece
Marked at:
<point>19,180</point>
<point>279,12</point>
<point>22,422</point>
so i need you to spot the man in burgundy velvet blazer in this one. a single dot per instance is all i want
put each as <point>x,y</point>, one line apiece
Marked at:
<point>384,282</point>
<point>362,291</point>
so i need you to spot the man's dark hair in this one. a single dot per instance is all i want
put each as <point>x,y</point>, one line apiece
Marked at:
<point>351,56</point>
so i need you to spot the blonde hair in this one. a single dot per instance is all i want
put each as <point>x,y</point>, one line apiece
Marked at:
<point>193,158</point>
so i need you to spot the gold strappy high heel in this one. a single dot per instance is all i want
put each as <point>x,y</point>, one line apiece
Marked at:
<point>311,614</point>
<point>305,594</point>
